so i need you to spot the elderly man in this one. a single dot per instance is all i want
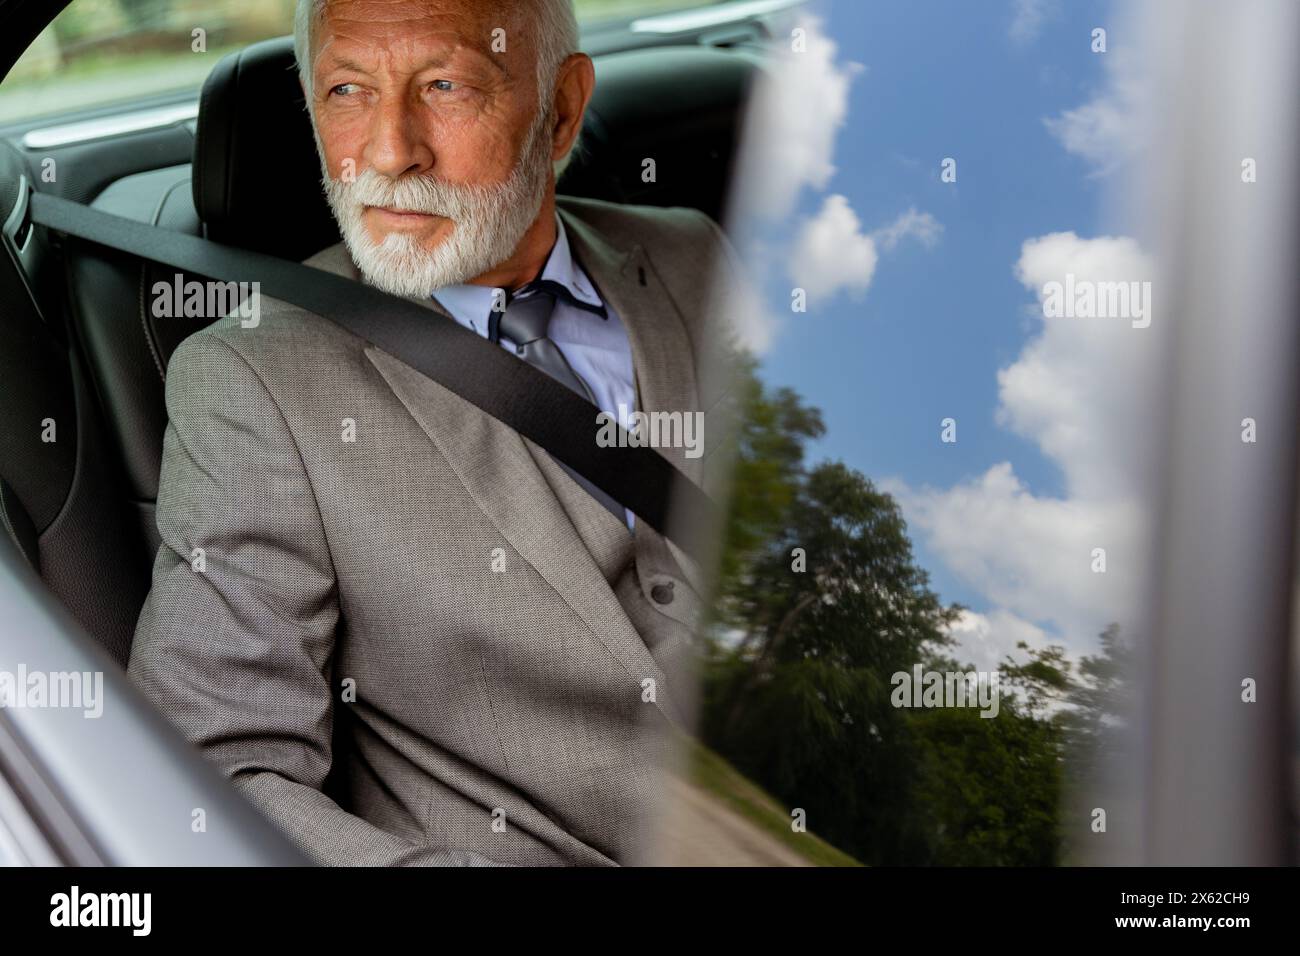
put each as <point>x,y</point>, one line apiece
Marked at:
<point>406,633</point>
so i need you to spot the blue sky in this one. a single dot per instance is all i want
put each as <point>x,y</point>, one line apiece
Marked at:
<point>942,313</point>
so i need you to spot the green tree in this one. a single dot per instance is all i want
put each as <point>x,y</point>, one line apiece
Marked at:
<point>802,701</point>
<point>822,603</point>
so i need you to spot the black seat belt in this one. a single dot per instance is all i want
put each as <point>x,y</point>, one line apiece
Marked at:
<point>513,392</point>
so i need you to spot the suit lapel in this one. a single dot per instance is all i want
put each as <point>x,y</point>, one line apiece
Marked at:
<point>661,349</point>
<point>497,467</point>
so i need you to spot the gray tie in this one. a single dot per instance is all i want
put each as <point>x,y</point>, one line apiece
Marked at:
<point>525,322</point>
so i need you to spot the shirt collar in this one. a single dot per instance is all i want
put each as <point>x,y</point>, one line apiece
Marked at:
<point>470,304</point>
<point>561,268</point>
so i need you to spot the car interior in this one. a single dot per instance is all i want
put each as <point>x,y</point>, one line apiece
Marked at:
<point>84,360</point>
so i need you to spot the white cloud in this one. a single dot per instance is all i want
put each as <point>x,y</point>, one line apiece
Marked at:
<point>1108,130</point>
<point>920,226</point>
<point>1028,17</point>
<point>799,104</point>
<point>1077,390</point>
<point>832,254</point>
<point>985,639</point>
<point>1030,557</point>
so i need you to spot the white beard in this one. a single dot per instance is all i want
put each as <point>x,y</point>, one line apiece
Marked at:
<point>489,221</point>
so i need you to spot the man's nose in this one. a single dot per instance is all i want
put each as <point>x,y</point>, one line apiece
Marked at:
<point>397,144</point>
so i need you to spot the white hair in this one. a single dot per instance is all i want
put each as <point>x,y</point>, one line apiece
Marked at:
<point>556,40</point>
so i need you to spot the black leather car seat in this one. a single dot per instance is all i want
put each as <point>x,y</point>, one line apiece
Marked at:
<point>61,494</point>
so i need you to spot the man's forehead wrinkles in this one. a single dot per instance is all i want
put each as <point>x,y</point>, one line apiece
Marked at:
<point>365,48</point>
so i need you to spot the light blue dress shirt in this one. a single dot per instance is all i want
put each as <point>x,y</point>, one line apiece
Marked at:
<point>596,349</point>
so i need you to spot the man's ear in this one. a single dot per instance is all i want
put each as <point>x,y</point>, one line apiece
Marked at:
<point>574,84</point>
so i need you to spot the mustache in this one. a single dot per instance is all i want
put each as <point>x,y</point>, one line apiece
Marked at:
<point>413,192</point>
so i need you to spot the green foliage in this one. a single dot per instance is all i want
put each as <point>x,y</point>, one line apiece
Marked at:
<point>990,787</point>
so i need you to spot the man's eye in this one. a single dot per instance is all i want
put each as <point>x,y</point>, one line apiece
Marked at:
<point>342,89</point>
<point>445,86</point>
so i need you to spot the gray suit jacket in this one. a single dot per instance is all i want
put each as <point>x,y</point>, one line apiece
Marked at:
<point>428,644</point>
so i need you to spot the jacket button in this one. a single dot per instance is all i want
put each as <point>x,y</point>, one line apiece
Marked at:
<point>662,593</point>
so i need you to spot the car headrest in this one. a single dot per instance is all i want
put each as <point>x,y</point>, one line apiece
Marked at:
<point>681,107</point>
<point>256,175</point>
